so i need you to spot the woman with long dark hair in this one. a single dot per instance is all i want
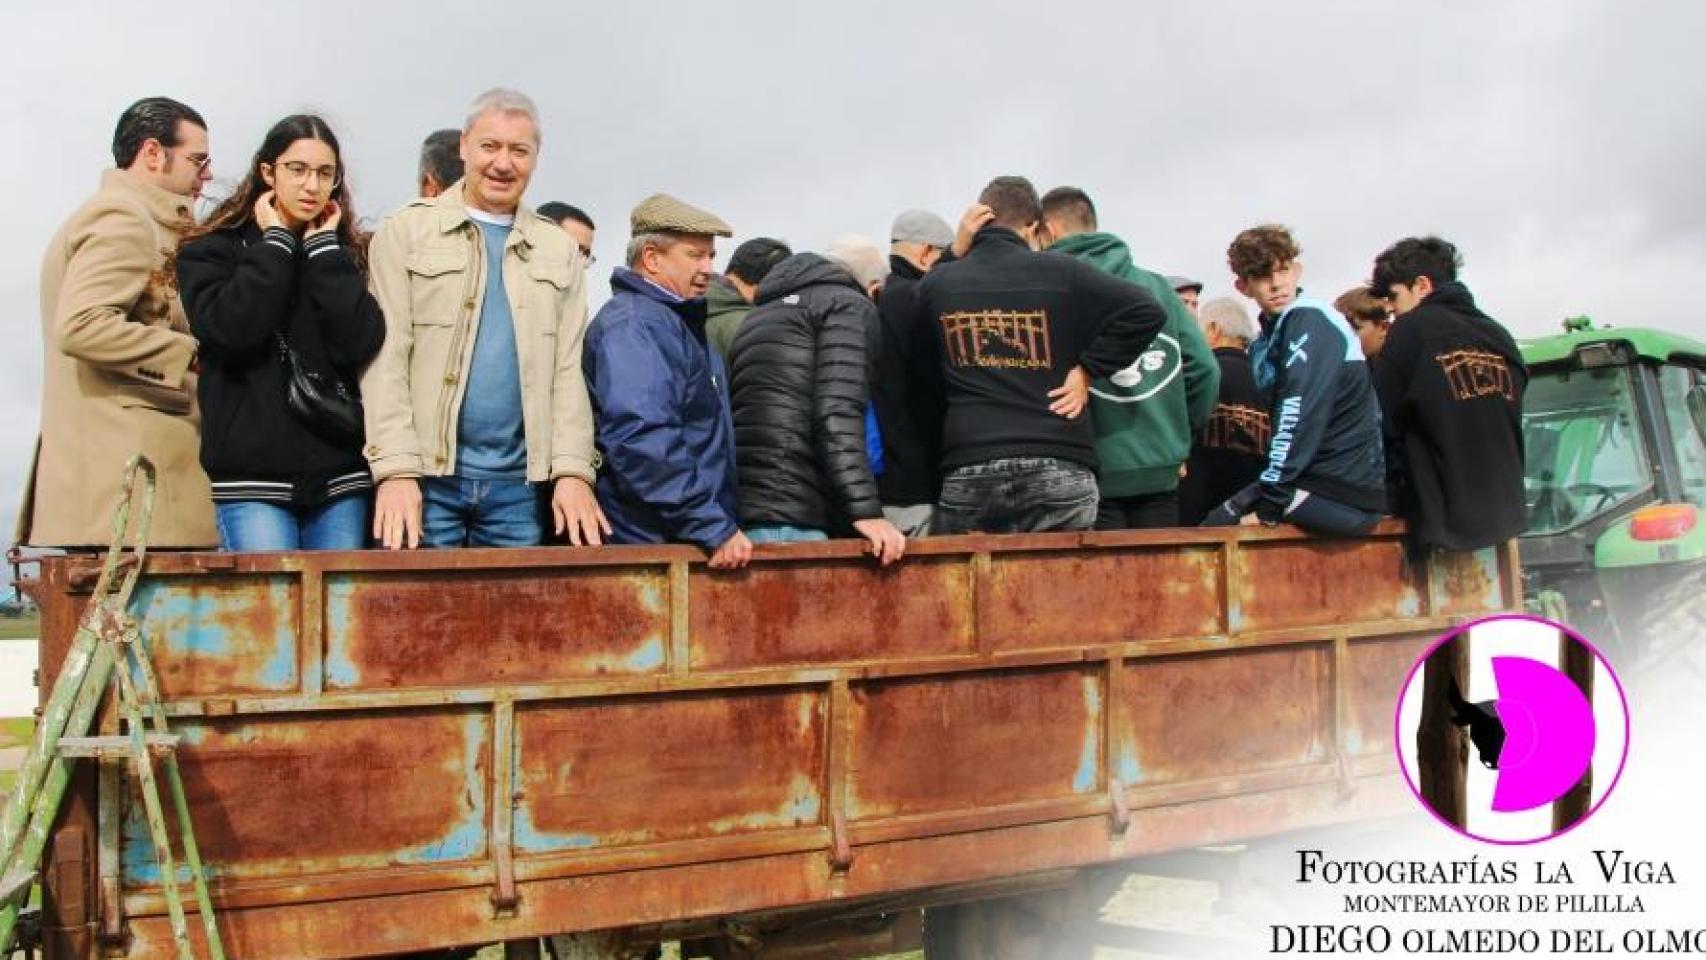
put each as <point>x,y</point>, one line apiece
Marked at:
<point>276,291</point>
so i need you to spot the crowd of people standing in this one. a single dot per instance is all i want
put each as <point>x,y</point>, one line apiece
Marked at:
<point>300,384</point>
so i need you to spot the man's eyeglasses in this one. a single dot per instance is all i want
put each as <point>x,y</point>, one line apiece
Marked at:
<point>591,258</point>
<point>198,160</point>
<point>299,172</point>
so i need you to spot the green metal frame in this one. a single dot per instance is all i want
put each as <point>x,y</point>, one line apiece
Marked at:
<point>1615,547</point>
<point>1643,344</point>
<point>105,634</point>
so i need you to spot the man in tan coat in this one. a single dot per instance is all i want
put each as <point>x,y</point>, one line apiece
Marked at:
<point>119,358</point>
<point>476,403</point>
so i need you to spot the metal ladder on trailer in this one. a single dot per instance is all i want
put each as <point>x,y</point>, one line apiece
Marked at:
<point>107,655</point>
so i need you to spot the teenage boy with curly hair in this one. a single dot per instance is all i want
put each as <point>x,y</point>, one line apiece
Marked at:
<point>1325,469</point>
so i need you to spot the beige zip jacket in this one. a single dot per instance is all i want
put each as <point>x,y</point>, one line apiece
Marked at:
<point>427,268</point>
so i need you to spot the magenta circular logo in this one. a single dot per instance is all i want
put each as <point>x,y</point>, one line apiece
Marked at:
<point>1512,729</point>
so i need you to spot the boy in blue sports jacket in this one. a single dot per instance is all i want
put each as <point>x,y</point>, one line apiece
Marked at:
<point>1326,470</point>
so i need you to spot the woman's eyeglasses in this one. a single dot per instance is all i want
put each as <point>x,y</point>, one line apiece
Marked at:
<point>299,172</point>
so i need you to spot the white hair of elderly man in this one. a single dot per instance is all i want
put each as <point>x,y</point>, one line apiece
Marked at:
<point>503,100</point>
<point>861,257</point>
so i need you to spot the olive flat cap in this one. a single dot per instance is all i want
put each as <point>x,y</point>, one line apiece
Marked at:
<point>662,213</point>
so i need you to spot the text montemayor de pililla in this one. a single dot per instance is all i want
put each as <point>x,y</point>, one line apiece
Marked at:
<point>1609,866</point>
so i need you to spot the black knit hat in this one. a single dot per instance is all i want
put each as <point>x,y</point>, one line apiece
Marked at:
<point>753,259</point>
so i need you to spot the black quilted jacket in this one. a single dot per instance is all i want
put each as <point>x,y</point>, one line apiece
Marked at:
<point>798,385</point>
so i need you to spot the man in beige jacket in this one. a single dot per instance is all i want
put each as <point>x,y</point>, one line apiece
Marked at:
<point>477,397</point>
<point>119,366</point>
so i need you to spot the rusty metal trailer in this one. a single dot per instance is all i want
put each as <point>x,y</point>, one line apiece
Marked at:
<point>393,751</point>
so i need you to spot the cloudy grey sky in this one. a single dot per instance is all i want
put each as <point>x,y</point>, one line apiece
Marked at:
<point>1560,143</point>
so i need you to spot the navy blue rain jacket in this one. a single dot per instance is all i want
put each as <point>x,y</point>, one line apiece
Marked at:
<point>660,402</point>
<point>1326,422</point>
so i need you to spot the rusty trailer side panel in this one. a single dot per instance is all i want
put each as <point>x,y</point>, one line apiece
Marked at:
<point>387,752</point>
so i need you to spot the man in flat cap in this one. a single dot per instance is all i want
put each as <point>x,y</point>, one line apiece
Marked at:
<point>660,393</point>
<point>1189,291</point>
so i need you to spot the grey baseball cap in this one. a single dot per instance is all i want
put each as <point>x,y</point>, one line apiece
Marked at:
<point>1178,282</point>
<point>922,226</point>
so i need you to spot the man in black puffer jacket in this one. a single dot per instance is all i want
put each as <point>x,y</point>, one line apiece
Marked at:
<point>798,386</point>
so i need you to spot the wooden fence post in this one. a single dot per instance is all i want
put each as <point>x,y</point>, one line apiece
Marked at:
<point>1577,661</point>
<point>1442,748</point>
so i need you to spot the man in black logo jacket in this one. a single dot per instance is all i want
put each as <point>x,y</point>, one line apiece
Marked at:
<point>1230,452</point>
<point>1450,381</point>
<point>1022,334</point>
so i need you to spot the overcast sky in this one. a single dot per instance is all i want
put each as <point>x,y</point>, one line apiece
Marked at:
<point>1559,143</point>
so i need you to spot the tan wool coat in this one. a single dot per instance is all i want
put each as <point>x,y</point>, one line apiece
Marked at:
<point>116,381</point>
<point>427,268</point>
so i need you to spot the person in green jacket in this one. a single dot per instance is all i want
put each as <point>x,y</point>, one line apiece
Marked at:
<point>730,296</point>
<point>1145,415</point>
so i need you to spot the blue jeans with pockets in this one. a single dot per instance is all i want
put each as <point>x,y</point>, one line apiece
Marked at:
<point>460,512</point>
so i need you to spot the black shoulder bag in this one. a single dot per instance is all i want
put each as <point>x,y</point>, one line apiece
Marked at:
<point>324,404</point>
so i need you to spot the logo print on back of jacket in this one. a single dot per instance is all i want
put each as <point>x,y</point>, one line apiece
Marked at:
<point>1238,428</point>
<point>1476,373</point>
<point>1010,339</point>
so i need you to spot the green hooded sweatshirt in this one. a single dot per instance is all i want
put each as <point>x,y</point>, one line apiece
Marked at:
<point>1146,414</point>
<point>725,309</point>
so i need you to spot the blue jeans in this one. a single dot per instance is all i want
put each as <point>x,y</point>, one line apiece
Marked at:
<point>458,512</point>
<point>339,524</point>
<point>1017,495</point>
<point>782,533</point>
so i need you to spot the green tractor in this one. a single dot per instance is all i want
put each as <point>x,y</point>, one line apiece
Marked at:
<point>1614,422</point>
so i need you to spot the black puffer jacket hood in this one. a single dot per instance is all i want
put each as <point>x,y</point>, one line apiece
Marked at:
<point>798,386</point>
<point>804,270</point>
